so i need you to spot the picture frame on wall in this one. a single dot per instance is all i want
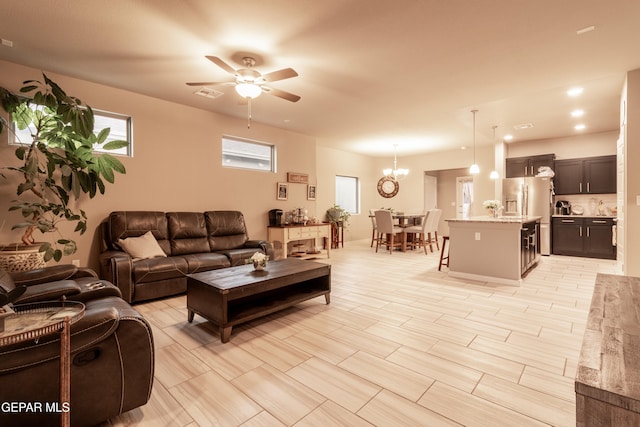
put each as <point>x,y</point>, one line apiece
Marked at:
<point>311,192</point>
<point>283,191</point>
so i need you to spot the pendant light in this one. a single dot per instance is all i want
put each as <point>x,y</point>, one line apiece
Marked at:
<point>474,169</point>
<point>494,174</point>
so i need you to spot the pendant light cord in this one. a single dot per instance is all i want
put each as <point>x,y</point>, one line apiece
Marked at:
<point>474,135</point>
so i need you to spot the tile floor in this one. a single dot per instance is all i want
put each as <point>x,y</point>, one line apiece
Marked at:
<point>401,344</point>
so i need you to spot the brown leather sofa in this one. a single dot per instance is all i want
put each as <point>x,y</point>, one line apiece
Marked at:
<point>192,241</point>
<point>112,355</point>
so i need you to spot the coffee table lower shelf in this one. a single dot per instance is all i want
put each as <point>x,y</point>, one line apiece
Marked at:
<point>211,296</point>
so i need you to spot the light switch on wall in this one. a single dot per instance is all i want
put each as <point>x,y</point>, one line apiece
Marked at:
<point>638,200</point>
<point>477,236</point>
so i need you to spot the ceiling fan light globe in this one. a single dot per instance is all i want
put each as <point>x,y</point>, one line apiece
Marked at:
<point>248,90</point>
<point>474,169</point>
<point>387,171</point>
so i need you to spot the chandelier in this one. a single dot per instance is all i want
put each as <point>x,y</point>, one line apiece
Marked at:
<point>396,173</point>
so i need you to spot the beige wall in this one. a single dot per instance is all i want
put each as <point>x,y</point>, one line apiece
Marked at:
<point>176,163</point>
<point>332,162</point>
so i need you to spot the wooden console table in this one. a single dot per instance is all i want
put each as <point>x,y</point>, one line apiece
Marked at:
<point>608,376</point>
<point>292,233</point>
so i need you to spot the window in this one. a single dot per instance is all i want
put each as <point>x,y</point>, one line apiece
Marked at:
<point>121,129</point>
<point>120,125</point>
<point>247,154</point>
<point>348,193</point>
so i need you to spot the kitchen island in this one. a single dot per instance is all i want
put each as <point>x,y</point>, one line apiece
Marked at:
<point>499,250</point>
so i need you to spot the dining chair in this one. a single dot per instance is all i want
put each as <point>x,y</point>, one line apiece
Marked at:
<point>385,227</point>
<point>372,215</point>
<point>431,228</point>
<point>420,234</point>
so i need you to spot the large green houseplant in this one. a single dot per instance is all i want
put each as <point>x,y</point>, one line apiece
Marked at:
<point>57,165</point>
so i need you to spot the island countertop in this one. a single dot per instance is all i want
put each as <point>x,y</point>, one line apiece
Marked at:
<point>500,219</point>
<point>498,250</point>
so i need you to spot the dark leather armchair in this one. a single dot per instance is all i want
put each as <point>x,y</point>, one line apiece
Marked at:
<point>112,358</point>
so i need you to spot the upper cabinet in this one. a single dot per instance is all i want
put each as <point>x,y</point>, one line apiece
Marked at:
<point>591,175</point>
<point>527,166</point>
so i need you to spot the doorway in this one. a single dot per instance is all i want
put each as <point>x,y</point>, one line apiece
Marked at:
<point>464,196</point>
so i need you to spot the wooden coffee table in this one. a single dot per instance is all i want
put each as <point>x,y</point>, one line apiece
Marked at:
<point>234,295</point>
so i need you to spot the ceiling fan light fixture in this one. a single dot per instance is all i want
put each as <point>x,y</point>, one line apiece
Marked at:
<point>248,90</point>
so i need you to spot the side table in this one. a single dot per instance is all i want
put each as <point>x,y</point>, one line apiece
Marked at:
<point>32,321</point>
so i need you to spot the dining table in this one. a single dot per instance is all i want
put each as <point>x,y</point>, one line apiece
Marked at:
<point>405,220</point>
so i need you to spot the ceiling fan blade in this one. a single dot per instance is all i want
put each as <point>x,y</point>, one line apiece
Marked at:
<point>280,94</point>
<point>274,76</point>
<point>220,63</point>
<point>211,83</point>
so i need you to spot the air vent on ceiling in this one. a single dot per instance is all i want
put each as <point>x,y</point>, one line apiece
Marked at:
<point>208,92</point>
<point>523,126</point>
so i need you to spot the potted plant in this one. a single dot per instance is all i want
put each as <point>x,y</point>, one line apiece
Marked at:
<point>337,215</point>
<point>57,166</point>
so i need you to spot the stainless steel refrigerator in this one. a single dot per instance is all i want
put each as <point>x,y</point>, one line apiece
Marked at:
<point>530,196</point>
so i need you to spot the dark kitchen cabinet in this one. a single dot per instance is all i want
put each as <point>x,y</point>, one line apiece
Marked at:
<point>599,238</point>
<point>567,236</point>
<point>529,246</point>
<point>585,237</point>
<point>527,166</point>
<point>591,175</point>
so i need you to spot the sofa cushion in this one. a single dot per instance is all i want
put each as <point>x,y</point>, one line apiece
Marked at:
<point>206,261</point>
<point>152,269</point>
<point>226,230</point>
<point>124,224</point>
<point>145,246</point>
<point>187,233</point>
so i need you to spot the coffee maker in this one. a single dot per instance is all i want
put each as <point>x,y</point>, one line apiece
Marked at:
<point>275,217</point>
<point>563,207</point>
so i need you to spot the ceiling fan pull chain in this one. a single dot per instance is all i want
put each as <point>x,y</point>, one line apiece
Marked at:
<point>249,118</point>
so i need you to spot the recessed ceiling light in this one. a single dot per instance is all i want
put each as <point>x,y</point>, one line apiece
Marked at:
<point>523,126</point>
<point>579,127</point>
<point>585,29</point>
<point>464,147</point>
<point>575,91</point>
<point>577,113</point>
<point>508,137</point>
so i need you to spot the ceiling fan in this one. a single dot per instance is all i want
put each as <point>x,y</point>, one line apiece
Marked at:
<point>249,83</point>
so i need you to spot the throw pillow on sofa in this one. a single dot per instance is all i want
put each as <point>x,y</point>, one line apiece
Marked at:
<point>145,246</point>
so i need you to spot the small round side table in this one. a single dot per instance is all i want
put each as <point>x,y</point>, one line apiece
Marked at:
<point>34,320</point>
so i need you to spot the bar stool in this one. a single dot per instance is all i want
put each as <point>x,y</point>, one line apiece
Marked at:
<point>444,260</point>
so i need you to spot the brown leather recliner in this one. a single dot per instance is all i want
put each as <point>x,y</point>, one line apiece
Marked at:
<point>192,241</point>
<point>112,357</point>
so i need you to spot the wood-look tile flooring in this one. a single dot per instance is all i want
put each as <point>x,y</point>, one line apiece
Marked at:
<point>401,344</point>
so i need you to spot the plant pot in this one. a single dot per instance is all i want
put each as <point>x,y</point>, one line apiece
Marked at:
<point>19,257</point>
